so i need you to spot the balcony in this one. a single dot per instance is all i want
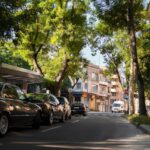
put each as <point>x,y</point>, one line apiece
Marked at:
<point>105,94</point>
<point>113,90</point>
<point>103,82</point>
<point>114,83</point>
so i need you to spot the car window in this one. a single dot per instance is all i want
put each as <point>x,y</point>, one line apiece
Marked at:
<point>61,100</point>
<point>116,105</point>
<point>77,104</point>
<point>10,92</point>
<point>53,100</point>
<point>21,94</point>
<point>38,97</point>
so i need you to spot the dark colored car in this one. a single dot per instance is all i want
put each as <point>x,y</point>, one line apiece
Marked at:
<point>51,108</point>
<point>79,108</point>
<point>67,108</point>
<point>14,110</point>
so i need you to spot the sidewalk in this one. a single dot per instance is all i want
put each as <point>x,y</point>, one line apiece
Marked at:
<point>145,128</point>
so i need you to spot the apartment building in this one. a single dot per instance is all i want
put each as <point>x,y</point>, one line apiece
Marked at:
<point>116,89</point>
<point>95,90</point>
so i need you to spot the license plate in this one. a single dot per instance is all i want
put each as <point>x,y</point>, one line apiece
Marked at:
<point>76,107</point>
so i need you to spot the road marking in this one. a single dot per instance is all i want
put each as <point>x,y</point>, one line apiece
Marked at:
<point>63,146</point>
<point>75,121</point>
<point>49,129</point>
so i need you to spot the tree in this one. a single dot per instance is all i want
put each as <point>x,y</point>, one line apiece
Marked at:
<point>34,35</point>
<point>8,21</point>
<point>54,34</point>
<point>73,29</point>
<point>6,56</point>
<point>125,19</point>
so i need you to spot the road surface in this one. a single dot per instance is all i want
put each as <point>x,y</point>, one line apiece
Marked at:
<point>96,131</point>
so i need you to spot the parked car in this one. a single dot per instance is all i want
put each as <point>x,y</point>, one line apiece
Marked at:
<point>118,106</point>
<point>67,108</point>
<point>79,108</point>
<point>14,110</point>
<point>51,108</point>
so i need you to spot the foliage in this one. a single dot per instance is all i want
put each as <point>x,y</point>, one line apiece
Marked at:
<point>115,13</point>
<point>8,21</point>
<point>6,56</point>
<point>128,16</point>
<point>66,84</point>
<point>139,119</point>
<point>144,56</point>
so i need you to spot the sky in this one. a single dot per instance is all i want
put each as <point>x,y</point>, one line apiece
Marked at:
<point>97,59</point>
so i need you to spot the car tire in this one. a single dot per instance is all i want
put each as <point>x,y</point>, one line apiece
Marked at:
<point>66,116</point>
<point>36,121</point>
<point>4,123</point>
<point>50,118</point>
<point>62,118</point>
<point>69,116</point>
<point>84,114</point>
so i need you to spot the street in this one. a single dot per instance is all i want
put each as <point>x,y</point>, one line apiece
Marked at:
<point>96,131</point>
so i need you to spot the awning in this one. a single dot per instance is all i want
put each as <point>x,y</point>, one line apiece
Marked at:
<point>16,74</point>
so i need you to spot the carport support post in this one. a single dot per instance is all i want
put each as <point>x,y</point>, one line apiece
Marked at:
<point>25,87</point>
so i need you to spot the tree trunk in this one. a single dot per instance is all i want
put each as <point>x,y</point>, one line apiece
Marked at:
<point>61,75</point>
<point>36,65</point>
<point>118,75</point>
<point>131,90</point>
<point>133,50</point>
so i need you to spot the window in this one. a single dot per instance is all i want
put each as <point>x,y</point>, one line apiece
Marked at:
<point>78,86</point>
<point>94,76</point>
<point>86,86</point>
<point>94,88</point>
<point>113,94</point>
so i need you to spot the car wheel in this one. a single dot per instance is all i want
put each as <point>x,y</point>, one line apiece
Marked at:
<point>66,116</point>
<point>62,118</point>
<point>36,121</point>
<point>84,114</point>
<point>50,118</point>
<point>3,124</point>
<point>70,116</point>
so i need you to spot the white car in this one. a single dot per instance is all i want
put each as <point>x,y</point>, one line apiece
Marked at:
<point>117,106</point>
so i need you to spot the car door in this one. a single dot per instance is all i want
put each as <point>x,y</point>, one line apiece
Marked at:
<point>28,108</point>
<point>10,95</point>
<point>56,106</point>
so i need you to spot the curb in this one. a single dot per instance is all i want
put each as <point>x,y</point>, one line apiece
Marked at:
<point>145,128</point>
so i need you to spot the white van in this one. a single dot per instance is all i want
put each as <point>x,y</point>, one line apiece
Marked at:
<point>118,106</point>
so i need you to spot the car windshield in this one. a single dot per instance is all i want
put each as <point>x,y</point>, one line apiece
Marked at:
<point>116,105</point>
<point>77,104</point>
<point>61,100</point>
<point>38,97</point>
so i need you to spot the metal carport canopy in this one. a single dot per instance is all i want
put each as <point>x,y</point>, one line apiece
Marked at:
<point>16,74</point>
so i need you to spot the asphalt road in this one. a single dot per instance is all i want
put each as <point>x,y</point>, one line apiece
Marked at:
<point>96,131</point>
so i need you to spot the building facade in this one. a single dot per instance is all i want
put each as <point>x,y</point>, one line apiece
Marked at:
<point>95,90</point>
<point>116,89</point>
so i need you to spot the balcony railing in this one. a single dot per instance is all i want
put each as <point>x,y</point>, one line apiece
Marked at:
<point>103,82</point>
<point>114,83</point>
